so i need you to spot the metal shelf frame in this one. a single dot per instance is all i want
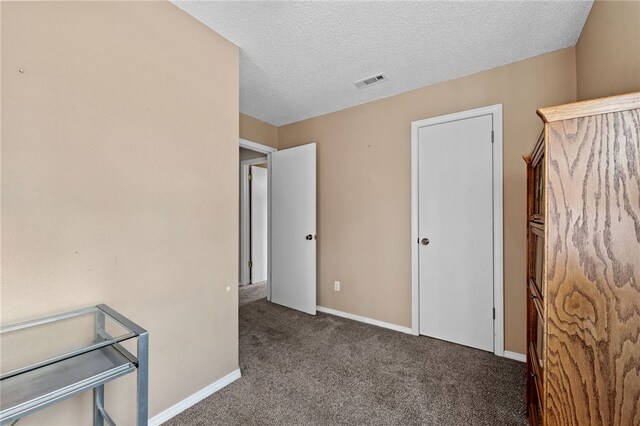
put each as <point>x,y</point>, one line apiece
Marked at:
<point>36,386</point>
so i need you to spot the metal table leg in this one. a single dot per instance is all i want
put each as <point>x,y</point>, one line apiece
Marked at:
<point>143,379</point>
<point>98,392</point>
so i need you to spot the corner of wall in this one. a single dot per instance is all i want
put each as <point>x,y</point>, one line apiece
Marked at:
<point>608,50</point>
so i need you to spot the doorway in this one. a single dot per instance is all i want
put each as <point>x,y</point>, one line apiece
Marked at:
<point>277,250</point>
<point>253,237</point>
<point>253,220</point>
<point>258,223</point>
<point>457,228</point>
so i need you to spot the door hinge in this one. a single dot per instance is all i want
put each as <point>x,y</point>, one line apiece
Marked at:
<point>250,177</point>
<point>492,136</point>
<point>250,264</point>
<point>494,313</point>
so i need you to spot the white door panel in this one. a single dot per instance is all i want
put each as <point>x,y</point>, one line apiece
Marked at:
<point>293,218</point>
<point>455,213</point>
<point>258,224</point>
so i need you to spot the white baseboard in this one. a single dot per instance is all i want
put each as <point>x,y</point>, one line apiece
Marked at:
<point>364,319</point>
<point>516,356</point>
<point>507,354</point>
<point>194,399</point>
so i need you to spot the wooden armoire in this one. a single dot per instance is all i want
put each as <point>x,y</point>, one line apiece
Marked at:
<point>583,265</point>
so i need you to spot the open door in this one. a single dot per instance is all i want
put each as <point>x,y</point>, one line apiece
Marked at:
<point>292,174</point>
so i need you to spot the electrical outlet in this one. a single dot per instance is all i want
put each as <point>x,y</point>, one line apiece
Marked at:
<point>336,285</point>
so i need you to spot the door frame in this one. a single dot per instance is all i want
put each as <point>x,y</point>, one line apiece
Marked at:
<point>245,237</point>
<point>258,147</point>
<point>498,272</point>
<point>245,218</point>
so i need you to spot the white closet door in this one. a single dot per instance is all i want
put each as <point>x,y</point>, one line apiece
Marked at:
<point>456,231</point>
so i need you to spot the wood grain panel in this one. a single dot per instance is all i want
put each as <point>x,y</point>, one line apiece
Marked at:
<point>599,106</point>
<point>592,375</point>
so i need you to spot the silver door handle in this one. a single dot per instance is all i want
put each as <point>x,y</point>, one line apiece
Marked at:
<point>424,241</point>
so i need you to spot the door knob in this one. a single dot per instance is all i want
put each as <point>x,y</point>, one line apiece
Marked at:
<point>309,237</point>
<point>424,241</point>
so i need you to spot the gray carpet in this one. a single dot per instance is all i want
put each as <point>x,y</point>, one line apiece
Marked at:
<point>303,370</point>
<point>252,292</point>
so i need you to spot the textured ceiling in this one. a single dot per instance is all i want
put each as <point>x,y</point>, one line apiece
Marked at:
<point>299,59</point>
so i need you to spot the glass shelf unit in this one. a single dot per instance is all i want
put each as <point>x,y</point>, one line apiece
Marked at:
<point>49,359</point>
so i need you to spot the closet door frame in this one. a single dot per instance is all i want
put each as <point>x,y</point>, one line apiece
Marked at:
<point>498,252</point>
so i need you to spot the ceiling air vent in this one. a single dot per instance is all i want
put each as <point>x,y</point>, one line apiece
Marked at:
<point>370,81</point>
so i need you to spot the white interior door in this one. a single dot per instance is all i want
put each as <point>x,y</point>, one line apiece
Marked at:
<point>258,224</point>
<point>455,215</point>
<point>293,227</point>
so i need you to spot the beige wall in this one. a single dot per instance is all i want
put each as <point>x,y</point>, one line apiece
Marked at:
<point>364,184</point>
<point>258,131</point>
<point>608,50</point>
<point>119,184</point>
